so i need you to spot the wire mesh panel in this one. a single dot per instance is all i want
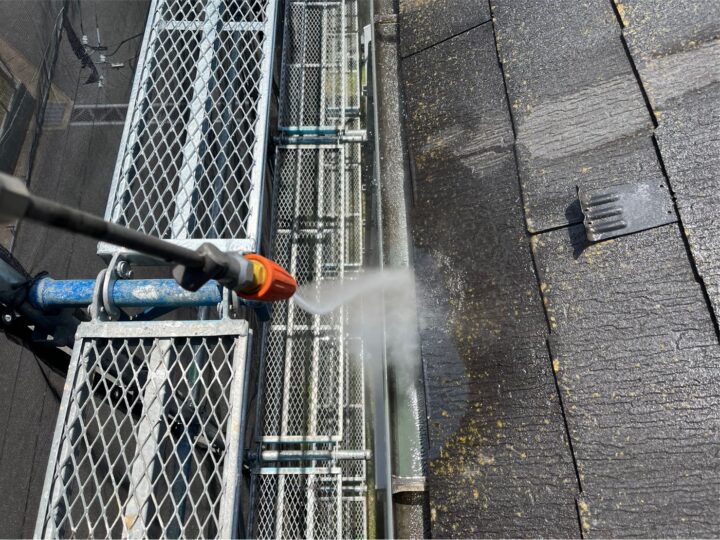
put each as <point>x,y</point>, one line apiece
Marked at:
<point>312,396</point>
<point>298,503</point>
<point>192,156</point>
<point>354,430</point>
<point>304,352</point>
<point>352,57</point>
<point>354,221</point>
<point>354,471</point>
<point>147,438</point>
<point>313,89</point>
<point>354,509</point>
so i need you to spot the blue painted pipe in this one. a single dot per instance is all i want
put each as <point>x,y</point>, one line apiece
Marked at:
<point>48,293</point>
<point>308,130</point>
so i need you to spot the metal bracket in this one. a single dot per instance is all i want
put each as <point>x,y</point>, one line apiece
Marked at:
<point>403,484</point>
<point>111,276</point>
<point>97,311</point>
<point>307,455</point>
<point>102,307</point>
<point>625,209</point>
<point>366,40</point>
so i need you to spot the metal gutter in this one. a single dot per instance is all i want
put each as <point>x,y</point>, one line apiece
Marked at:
<point>405,384</point>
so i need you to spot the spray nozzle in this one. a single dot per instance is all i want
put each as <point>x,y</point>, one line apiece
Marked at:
<point>274,282</point>
<point>251,276</point>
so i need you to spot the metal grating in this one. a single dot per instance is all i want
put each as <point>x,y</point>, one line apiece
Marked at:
<point>354,509</point>
<point>352,55</point>
<point>147,442</point>
<point>304,353</point>
<point>192,156</point>
<point>298,503</point>
<point>354,211</point>
<point>354,417</point>
<point>312,401</point>
<point>313,85</point>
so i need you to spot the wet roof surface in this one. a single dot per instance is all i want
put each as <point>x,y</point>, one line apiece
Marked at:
<point>610,431</point>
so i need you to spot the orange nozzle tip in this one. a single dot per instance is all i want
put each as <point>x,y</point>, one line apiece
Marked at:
<point>278,284</point>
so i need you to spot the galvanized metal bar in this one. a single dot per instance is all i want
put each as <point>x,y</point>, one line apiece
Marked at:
<point>239,523</point>
<point>324,35</point>
<point>308,130</point>
<point>310,506</point>
<point>280,507</point>
<point>314,455</point>
<point>290,337</point>
<point>301,439</point>
<point>68,414</point>
<point>341,68</point>
<point>285,471</point>
<point>284,61</point>
<point>341,272</point>
<point>339,523</point>
<point>234,437</point>
<point>195,146</point>
<point>322,329</point>
<point>136,108</point>
<point>254,226</point>
<point>140,507</point>
<point>197,26</point>
<point>166,329</point>
<point>322,140</point>
<point>318,272</point>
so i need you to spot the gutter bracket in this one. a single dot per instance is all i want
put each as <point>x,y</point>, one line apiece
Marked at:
<point>404,484</point>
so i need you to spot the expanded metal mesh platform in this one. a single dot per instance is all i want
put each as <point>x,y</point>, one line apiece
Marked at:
<point>299,502</point>
<point>304,352</point>
<point>192,156</point>
<point>148,439</point>
<point>313,84</point>
<point>311,411</point>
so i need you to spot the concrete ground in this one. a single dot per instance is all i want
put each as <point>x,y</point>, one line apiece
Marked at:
<point>74,165</point>
<point>572,388</point>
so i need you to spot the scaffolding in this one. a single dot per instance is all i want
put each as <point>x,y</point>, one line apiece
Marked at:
<point>150,439</point>
<point>311,414</point>
<point>192,156</point>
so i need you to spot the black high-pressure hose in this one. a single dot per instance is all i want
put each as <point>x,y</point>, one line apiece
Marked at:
<point>250,275</point>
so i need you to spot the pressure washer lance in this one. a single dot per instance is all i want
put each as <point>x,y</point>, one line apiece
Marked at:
<point>250,275</point>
